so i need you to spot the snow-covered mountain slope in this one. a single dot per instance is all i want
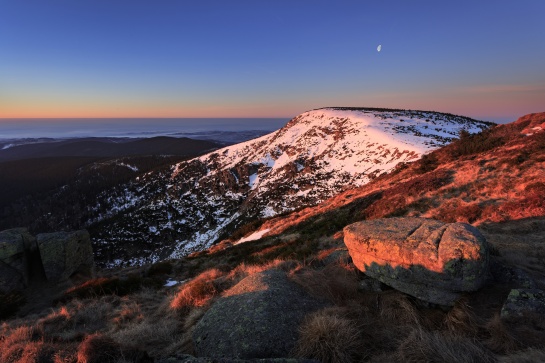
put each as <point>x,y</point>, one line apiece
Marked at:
<point>316,155</point>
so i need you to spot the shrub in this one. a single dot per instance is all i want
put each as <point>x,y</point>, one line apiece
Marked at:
<point>469,144</point>
<point>428,162</point>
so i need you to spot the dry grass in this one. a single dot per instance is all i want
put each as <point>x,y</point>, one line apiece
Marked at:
<point>434,347</point>
<point>526,356</point>
<point>328,337</point>
<point>335,283</point>
<point>98,348</point>
<point>197,292</point>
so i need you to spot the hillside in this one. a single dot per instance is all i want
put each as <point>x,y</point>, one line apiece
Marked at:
<point>317,155</point>
<point>64,176</point>
<point>160,312</point>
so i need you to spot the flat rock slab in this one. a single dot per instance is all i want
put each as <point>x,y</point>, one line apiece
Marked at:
<point>524,301</point>
<point>257,318</point>
<point>425,258</point>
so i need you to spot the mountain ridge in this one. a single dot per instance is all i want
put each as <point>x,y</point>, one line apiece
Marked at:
<point>315,156</point>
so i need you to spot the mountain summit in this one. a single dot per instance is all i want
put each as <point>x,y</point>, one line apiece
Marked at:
<point>317,155</point>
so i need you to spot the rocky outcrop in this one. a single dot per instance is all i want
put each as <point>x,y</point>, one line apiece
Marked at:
<point>257,318</point>
<point>428,259</point>
<point>65,253</point>
<point>52,256</point>
<point>13,259</point>
<point>524,301</point>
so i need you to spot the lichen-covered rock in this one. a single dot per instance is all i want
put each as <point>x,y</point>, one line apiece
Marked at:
<point>524,301</point>
<point>428,259</point>
<point>65,253</point>
<point>13,259</point>
<point>257,318</point>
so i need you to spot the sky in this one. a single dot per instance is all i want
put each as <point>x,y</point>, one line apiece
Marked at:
<point>277,58</point>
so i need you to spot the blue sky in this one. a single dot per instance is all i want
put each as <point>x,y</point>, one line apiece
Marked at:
<point>174,58</point>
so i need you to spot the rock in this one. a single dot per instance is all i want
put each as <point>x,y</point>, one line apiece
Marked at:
<point>524,301</point>
<point>511,275</point>
<point>13,259</point>
<point>257,318</point>
<point>64,254</point>
<point>427,259</point>
<point>184,358</point>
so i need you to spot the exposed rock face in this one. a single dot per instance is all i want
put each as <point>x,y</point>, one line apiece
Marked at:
<point>13,259</point>
<point>257,318</point>
<point>424,258</point>
<point>524,301</point>
<point>65,253</point>
<point>58,256</point>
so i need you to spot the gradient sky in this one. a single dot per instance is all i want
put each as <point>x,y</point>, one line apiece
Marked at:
<point>257,58</point>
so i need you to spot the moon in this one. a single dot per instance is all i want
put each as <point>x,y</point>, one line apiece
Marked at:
<point>379,47</point>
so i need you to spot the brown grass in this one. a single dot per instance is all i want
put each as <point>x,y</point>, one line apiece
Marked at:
<point>328,337</point>
<point>526,356</point>
<point>197,292</point>
<point>422,346</point>
<point>335,283</point>
<point>98,348</point>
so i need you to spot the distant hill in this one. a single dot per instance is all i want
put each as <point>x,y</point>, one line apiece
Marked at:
<point>107,147</point>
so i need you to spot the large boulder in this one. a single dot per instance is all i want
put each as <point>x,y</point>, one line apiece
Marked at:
<point>257,318</point>
<point>13,259</point>
<point>64,254</point>
<point>428,259</point>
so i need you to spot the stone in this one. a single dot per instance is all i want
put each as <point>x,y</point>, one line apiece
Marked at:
<point>65,254</point>
<point>425,258</point>
<point>185,358</point>
<point>257,318</point>
<point>511,275</point>
<point>524,301</point>
<point>13,259</point>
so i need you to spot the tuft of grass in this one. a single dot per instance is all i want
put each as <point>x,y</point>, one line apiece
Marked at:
<point>434,347</point>
<point>327,337</point>
<point>461,319</point>
<point>197,292</point>
<point>335,283</point>
<point>98,348</point>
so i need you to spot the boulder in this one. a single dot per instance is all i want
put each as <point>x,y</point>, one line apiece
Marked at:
<point>13,259</point>
<point>524,301</point>
<point>64,254</point>
<point>257,318</point>
<point>427,259</point>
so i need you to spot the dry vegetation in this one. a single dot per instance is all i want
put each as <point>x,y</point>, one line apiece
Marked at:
<point>128,316</point>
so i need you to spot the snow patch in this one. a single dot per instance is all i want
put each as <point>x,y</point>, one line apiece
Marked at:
<point>253,237</point>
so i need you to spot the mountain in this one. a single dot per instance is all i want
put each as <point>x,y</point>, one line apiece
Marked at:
<point>103,147</point>
<point>317,155</point>
<point>490,178</point>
